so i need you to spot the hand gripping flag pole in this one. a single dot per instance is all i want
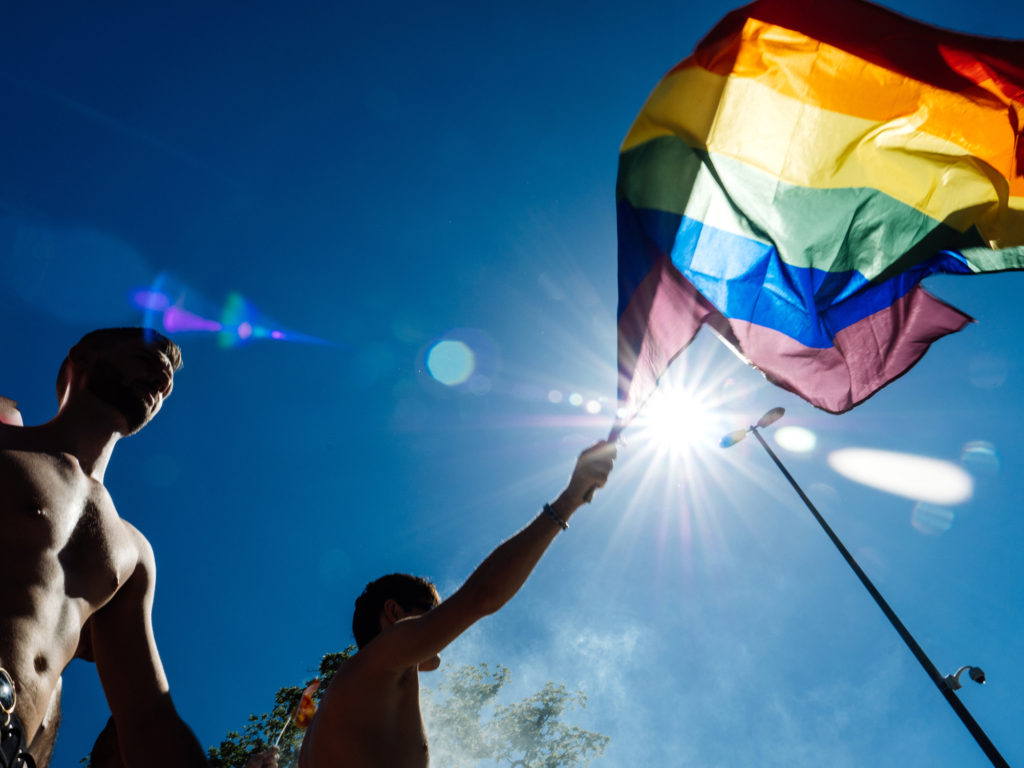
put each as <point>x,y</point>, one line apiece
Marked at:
<point>946,685</point>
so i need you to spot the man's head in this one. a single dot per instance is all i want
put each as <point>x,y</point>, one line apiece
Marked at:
<point>412,594</point>
<point>129,369</point>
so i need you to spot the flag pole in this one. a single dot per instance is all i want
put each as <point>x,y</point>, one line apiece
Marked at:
<point>945,688</point>
<point>286,724</point>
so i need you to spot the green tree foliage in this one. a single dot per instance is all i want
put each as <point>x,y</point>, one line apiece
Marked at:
<point>261,730</point>
<point>467,726</point>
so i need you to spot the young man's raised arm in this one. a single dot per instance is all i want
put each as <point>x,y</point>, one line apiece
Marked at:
<point>498,577</point>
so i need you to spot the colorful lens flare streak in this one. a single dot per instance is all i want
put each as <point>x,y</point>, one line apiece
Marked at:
<point>240,322</point>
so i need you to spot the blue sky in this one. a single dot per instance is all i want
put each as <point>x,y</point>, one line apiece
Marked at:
<point>383,177</point>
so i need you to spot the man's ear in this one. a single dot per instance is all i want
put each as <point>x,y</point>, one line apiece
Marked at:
<point>77,355</point>
<point>71,370</point>
<point>392,611</point>
<point>79,360</point>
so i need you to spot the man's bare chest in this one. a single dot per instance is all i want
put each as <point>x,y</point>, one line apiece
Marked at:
<point>60,528</point>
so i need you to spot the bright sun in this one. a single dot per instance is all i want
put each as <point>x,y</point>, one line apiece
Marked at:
<point>678,421</point>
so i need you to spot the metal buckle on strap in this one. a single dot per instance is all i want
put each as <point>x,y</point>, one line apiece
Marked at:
<point>8,695</point>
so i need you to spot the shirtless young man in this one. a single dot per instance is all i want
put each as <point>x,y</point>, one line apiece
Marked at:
<point>76,578</point>
<point>370,715</point>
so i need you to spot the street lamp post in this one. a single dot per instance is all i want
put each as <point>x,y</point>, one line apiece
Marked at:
<point>946,685</point>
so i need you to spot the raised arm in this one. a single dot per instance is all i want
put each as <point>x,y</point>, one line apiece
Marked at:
<point>150,734</point>
<point>498,577</point>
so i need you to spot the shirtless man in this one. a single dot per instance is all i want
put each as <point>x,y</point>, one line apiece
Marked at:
<point>370,715</point>
<point>76,578</point>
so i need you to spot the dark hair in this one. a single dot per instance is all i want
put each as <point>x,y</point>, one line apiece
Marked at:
<point>411,592</point>
<point>105,337</point>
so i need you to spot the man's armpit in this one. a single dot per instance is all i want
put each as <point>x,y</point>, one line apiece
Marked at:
<point>84,649</point>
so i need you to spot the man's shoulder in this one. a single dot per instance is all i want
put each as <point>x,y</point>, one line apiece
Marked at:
<point>358,677</point>
<point>377,658</point>
<point>147,558</point>
<point>10,423</point>
<point>136,571</point>
<point>9,413</point>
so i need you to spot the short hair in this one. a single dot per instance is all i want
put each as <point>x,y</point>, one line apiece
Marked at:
<point>104,337</point>
<point>411,592</point>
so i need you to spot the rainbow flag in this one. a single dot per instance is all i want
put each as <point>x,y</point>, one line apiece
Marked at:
<point>792,182</point>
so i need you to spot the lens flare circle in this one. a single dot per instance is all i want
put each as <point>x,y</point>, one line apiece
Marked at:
<point>921,478</point>
<point>980,458</point>
<point>451,362</point>
<point>796,439</point>
<point>931,519</point>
